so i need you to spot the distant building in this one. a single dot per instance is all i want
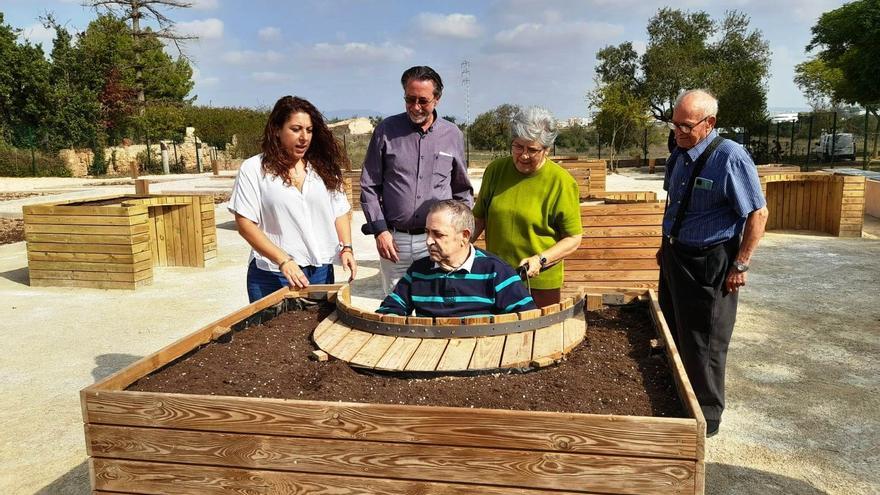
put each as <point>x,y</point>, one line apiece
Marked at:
<point>583,121</point>
<point>784,117</point>
<point>360,125</point>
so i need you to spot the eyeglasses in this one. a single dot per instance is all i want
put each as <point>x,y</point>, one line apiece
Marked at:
<point>686,128</point>
<point>519,149</point>
<point>423,102</point>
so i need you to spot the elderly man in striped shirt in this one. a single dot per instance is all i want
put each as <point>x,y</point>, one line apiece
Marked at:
<point>456,278</point>
<point>715,216</point>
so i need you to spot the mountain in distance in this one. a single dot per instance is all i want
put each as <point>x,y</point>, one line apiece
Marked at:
<point>347,113</point>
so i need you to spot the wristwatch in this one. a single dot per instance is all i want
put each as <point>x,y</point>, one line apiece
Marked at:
<point>740,267</point>
<point>543,260</point>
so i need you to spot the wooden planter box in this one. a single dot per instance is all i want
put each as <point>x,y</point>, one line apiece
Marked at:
<point>152,443</point>
<point>833,204</point>
<point>114,242</point>
<point>618,249</point>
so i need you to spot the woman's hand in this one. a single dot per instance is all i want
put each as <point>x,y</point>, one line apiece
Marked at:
<point>532,264</point>
<point>346,257</point>
<point>294,275</point>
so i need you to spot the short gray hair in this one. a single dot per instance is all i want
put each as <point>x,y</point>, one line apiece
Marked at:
<point>534,124</point>
<point>704,101</point>
<point>460,214</point>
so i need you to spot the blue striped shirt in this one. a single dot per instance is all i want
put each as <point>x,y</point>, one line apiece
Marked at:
<point>490,287</point>
<point>727,190</point>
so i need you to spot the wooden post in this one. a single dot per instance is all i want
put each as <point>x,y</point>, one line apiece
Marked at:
<point>215,166</point>
<point>134,169</point>
<point>141,187</point>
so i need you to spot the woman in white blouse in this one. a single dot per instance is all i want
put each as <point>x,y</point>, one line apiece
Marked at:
<point>289,203</point>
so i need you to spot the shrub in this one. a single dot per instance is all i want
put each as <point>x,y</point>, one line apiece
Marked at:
<point>17,162</point>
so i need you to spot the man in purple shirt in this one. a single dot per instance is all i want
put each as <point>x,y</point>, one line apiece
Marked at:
<point>414,160</point>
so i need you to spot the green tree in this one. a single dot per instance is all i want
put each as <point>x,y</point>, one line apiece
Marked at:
<point>24,89</point>
<point>689,50</point>
<point>621,116</point>
<point>817,82</point>
<point>847,67</point>
<point>491,130</point>
<point>575,137</point>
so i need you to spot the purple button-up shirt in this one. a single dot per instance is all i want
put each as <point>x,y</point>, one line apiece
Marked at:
<point>406,170</point>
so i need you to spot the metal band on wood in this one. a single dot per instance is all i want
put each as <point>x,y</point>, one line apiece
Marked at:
<point>453,331</point>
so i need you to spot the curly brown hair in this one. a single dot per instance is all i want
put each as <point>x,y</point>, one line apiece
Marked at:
<point>324,152</point>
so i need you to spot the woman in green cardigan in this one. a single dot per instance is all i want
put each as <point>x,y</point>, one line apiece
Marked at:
<point>529,206</point>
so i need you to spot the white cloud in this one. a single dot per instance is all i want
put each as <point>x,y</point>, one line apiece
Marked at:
<point>542,37</point>
<point>206,29</point>
<point>357,53</point>
<point>460,26</point>
<point>269,33</point>
<point>270,77</point>
<point>240,57</point>
<point>204,4</point>
<point>36,33</point>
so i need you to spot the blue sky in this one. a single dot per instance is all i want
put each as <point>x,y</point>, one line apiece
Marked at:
<point>348,54</point>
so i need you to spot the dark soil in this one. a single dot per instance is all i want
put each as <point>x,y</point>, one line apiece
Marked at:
<point>11,230</point>
<point>611,372</point>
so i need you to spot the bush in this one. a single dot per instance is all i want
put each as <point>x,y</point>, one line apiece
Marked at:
<point>16,162</point>
<point>149,163</point>
<point>99,163</point>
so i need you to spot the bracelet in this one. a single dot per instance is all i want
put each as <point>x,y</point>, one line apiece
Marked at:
<point>347,246</point>
<point>283,263</point>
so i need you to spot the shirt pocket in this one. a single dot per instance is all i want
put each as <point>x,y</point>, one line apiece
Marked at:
<point>442,170</point>
<point>706,197</point>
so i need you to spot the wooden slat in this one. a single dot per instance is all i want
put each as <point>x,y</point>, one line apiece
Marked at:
<point>84,220</point>
<point>529,430</point>
<point>611,254</point>
<point>181,479</point>
<point>88,239</point>
<point>102,276</point>
<point>399,354</point>
<point>487,352</point>
<point>427,356</point>
<point>128,258</point>
<point>370,354</point>
<point>613,275</point>
<point>574,330</point>
<point>77,229</point>
<point>457,355</point>
<point>331,336</point>
<point>158,215</point>
<point>349,344</point>
<point>79,211</point>
<point>519,468</point>
<point>621,242</point>
<point>324,325</point>
<point>636,231</point>
<point>621,220</point>
<point>549,343</point>
<point>89,284</point>
<point>90,266</point>
<point>517,350</point>
<point>645,263</point>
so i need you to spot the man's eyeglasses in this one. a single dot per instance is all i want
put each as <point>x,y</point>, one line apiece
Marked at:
<point>423,102</point>
<point>519,149</point>
<point>686,128</point>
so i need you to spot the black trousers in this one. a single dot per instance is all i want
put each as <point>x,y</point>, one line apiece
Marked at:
<point>700,314</point>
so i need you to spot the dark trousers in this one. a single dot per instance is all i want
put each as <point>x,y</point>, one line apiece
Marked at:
<point>700,314</point>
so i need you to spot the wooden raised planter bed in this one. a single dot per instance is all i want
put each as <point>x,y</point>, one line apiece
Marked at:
<point>114,242</point>
<point>833,204</point>
<point>150,443</point>
<point>618,249</point>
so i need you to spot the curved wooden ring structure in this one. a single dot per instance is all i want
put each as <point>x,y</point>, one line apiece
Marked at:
<point>523,340</point>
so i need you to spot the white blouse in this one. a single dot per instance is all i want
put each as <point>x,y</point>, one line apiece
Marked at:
<point>300,223</point>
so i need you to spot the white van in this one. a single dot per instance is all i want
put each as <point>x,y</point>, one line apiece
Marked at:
<point>844,147</point>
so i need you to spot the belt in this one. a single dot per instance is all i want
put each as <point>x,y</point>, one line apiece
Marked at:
<point>409,231</point>
<point>675,242</point>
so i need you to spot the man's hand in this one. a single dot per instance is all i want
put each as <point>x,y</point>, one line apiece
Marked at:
<point>735,280</point>
<point>387,247</point>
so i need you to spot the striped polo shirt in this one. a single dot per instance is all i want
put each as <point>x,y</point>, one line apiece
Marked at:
<point>483,285</point>
<point>727,190</point>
